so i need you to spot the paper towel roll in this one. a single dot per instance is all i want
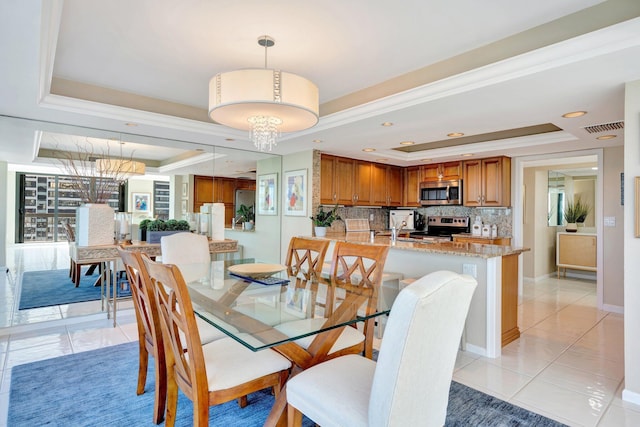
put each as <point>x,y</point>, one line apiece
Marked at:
<point>217,221</point>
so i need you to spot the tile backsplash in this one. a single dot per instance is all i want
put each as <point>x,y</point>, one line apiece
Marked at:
<point>502,217</point>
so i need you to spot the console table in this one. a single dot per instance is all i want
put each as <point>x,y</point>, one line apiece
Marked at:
<point>107,255</point>
<point>576,251</point>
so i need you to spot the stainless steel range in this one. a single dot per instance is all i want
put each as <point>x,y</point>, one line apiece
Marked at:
<point>441,228</point>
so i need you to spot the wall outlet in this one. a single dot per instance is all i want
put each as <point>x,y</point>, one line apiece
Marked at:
<point>470,269</point>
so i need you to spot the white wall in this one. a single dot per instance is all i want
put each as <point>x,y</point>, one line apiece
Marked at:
<point>631,244</point>
<point>297,225</point>
<point>613,235</point>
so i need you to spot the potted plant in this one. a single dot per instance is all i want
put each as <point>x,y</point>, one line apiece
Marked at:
<point>576,211</point>
<point>158,228</point>
<point>248,216</point>
<point>142,229</point>
<point>322,220</point>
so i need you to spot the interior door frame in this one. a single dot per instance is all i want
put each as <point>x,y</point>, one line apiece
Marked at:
<point>517,178</point>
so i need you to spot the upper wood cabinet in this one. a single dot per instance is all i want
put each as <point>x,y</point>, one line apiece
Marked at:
<point>207,189</point>
<point>386,185</point>
<point>412,179</point>
<point>487,182</point>
<point>359,183</point>
<point>441,171</point>
<point>362,179</point>
<point>337,180</point>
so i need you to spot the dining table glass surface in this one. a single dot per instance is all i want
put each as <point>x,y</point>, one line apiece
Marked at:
<point>262,312</point>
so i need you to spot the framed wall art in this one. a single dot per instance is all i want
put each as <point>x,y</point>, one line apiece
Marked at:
<point>295,192</point>
<point>141,202</point>
<point>267,194</point>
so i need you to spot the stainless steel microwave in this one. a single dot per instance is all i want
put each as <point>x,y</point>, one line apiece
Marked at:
<point>433,193</point>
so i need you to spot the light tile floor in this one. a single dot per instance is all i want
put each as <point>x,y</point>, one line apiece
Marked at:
<point>567,365</point>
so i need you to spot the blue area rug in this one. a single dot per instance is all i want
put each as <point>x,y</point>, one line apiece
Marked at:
<point>97,388</point>
<point>54,287</point>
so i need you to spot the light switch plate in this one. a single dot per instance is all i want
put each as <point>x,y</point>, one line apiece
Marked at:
<point>609,221</point>
<point>469,269</point>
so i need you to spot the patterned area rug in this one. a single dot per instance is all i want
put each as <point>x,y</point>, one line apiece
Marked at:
<point>99,388</point>
<point>54,287</point>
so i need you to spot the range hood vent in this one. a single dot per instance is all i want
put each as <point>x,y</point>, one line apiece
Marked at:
<point>605,127</point>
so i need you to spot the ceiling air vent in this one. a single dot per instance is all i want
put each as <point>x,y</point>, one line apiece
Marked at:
<point>605,127</point>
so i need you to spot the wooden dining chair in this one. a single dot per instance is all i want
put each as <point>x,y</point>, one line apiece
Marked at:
<point>150,340</point>
<point>306,256</point>
<point>208,374</point>
<point>409,384</point>
<point>150,337</point>
<point>358,269</point>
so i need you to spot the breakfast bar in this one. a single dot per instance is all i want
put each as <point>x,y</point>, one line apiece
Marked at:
<point>493,316</point>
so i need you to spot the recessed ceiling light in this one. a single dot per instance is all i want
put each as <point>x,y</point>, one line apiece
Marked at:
<point>131,124</point>
<point>595,168</point>
<point>603,137</point>
<point>407,143</point>
<point>317,141</point>
<point>467,155</point>
<point>368,150</point>
<point>455,134</point>
<point>229,139</point>
<point>387,124</point>
<point>425,160</point>
<point>382,160</point>
<point>574,114</point>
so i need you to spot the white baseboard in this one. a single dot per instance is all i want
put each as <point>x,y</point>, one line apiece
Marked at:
<point>480,351</point>
<point>539,278</point>
<point>613,308</point>
<point>631,396</point>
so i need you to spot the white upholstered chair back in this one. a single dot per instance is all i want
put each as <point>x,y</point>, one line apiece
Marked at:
<point>417,355</point>
<point>184,250</point>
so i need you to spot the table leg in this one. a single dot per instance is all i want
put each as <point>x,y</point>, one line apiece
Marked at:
<point>115,289</point>
<point>278,414</point>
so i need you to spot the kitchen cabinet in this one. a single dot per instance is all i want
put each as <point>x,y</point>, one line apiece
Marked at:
<point>337,180</point>
<point>576,251</point>
<point>215,190</point>
<point>487,182</point>
<point>447,171</point>
<point>412,179</point>
<point>362,179</point>
<point>353,182</point>
<point>386,185</point>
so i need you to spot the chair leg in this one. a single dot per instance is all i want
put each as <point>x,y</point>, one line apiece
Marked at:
<point>172,401</point>
<point>294,417</point>
<point>160,398</point>
<point>77,275</point>
<point>143,363</point>
<point>242,401</point>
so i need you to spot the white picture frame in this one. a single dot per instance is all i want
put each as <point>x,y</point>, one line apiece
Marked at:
<point>295,193</point>
<point>268,194</point>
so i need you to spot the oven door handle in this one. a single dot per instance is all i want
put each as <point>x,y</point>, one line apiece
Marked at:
<point>447,194</point>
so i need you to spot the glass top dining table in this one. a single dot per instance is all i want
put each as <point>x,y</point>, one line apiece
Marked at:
<point>279,309</point>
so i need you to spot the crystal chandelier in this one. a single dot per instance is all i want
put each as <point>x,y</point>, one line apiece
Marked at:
<point>264,102</point>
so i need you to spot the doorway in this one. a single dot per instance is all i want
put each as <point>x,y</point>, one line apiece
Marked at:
<point>521,224</point>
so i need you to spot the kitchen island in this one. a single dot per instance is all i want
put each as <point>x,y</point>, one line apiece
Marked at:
<point>492,321</point>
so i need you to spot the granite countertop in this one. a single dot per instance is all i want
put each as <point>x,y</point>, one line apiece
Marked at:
<point>480,237</point>
<point>447,248</point>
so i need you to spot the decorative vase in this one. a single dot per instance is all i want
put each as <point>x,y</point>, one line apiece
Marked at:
<point>321,231</point>
<point>95,224</point>
<point>572,227</point>
<point>248,225</point>
<point>156,236</point>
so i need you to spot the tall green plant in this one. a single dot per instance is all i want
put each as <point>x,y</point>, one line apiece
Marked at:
<point>576,211</point>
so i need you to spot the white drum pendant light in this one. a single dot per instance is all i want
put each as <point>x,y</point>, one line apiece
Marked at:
<point>264,102</point>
